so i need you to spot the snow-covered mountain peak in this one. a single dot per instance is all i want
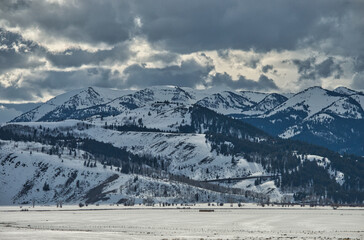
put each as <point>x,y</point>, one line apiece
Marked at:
<point>85,98</point>
<point>226,102</point>
<point>310,101</point>
<point>173,94</point>
<point>345,108</point>
<point>345,91</point>
<point>70,101</point>
<point>269,102</point>
<point>182,95</point>
<point>312,91</point>
<point>50,105</point>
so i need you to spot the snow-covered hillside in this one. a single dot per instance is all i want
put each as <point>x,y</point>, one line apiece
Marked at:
<point>162,116</point>
<point>26,171</point>
<point>29,172</point>
<point>186,154</point>
<point>308,102</point>
<point>345,108</point>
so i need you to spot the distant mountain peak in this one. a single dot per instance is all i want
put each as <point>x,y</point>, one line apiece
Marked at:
<point>345,91</point>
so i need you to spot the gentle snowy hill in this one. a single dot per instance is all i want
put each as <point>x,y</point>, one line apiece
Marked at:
<point>27,175</point>
<point>162,116</point>
<point>345,91</point>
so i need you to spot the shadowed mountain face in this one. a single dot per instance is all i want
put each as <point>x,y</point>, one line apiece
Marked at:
<point>333,119</point>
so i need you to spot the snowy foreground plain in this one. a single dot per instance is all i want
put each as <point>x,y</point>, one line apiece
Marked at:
<point>139,222</point>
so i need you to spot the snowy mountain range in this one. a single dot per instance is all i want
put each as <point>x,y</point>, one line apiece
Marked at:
<point>333,119</point>
<point>162,143</point>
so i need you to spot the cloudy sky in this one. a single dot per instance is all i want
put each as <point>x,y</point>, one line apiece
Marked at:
<point>49,47</point>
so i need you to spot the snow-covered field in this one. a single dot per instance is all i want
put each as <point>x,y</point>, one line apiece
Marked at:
<point>116,222</point>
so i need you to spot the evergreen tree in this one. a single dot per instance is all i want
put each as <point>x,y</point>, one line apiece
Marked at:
<point>46,187</point>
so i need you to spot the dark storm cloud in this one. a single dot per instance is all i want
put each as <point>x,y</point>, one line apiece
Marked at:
<point>209,25</point>
<point>358,81</point>
<point>13,93</point>
<point>90,21</point>
<point>54,82</point>
<point>328,27</point>
<point>24,93</point>
<point>13,5</point>
<point>166,57</point>
<point>67,80</point>
<point>252,62</point>
<point>78,57</point>
<point>248,60</point>
<point>359,63</point>
<point>310,70</point>
<point>223,53</point>
<point>189,74</point>
<point>201,25</point>
<point>263,83</point>
<point>266,68</point>
<point>181,26</point>
<point>261,25</point>
<point>16,52</point>
<point>328,68</point>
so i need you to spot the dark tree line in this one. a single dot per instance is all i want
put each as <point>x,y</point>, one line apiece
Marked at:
<point>281,157</point>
